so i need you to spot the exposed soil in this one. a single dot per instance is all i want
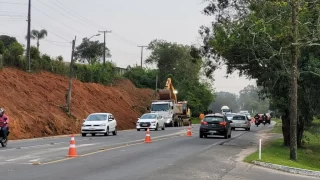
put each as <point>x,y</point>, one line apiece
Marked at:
<point>34,103</point>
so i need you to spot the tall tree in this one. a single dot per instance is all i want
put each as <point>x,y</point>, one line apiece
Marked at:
<point>90,51</point>
<point>256,39</point>
<point>38,35</point>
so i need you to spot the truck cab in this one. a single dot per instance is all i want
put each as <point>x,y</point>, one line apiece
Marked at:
<point>225,109</point>
<point>165,109</point>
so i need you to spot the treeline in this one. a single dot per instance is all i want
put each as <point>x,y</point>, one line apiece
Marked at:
<point>248,99</point>
<point>183,65</point>
<point>12,55</point>
<point>256,39</point>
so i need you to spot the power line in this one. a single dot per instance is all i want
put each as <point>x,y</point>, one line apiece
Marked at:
<point>54,19</point>
<point>6,2</point>
<point>63,14</point>
<point>54,33</point>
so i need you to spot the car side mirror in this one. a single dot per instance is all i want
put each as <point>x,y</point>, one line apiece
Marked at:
<point>231,121</point>
<point>111,119</point>
<point>84,120</point>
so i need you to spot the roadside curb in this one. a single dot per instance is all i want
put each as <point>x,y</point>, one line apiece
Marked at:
<point>288,169</point>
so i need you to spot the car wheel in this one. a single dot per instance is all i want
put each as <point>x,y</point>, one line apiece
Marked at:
<point>115,131</point>
<point>84,134</point>
<point>157,127</point>
<point>248,129</point>
<point>138,129</point>
<point>200,135</point>
<point>229,135</point>
<point>163,127</point>
<point>226,135</point>
<point>107,133</point>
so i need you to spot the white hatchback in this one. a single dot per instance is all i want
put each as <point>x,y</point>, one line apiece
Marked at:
<point>152,121</point>
<point>99,123</point>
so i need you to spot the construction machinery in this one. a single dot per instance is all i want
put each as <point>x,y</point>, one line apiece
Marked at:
<point>176,113</point>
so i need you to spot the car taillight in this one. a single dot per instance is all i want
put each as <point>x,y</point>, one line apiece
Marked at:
<point>204,123</point>
<point>223,123</point>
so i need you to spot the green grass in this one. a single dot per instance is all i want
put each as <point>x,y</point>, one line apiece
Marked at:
<point>275,153</point>
<point>195,120</point>
<point>278,127</point>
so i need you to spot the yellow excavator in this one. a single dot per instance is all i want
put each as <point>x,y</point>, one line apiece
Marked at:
<point>176,112</point>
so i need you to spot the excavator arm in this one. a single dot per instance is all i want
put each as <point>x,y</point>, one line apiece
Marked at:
<point>168,92</point>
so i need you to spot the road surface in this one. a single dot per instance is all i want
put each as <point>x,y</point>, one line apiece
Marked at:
<point>171,155</point>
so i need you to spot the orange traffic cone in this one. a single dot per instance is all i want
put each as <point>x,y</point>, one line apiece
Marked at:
<point>189,133</point>
<point>72,148</point>
<point>148,137</point>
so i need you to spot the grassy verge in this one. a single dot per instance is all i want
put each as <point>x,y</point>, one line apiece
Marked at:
<point>278,127</point>
<point>276,153</point>
<point>195,120</point>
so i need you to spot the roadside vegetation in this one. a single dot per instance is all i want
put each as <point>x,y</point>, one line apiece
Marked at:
<point>180,62</point>
<point>309,156</point>
<point>256,39</point>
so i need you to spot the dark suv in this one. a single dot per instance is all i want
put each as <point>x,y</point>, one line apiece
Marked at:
<point>215,124</point>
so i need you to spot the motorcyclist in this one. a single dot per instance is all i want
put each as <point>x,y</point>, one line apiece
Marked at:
<point>4,120</point>
<point>265,117</point>
<point>257,116</point>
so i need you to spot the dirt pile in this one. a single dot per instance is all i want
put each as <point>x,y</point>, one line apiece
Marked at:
<point>34,103</point>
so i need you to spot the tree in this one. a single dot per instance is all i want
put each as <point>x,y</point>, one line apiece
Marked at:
<point>224,99</point>
<point>38,35</point>
<point>2,48</point>
<point>257,41</point>
<point>7,40</point>
<point>182,63</point>
<point>90,51</point>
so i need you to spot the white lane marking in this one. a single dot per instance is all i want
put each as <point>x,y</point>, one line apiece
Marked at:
<point>55,143</point>
<point>37,154</point>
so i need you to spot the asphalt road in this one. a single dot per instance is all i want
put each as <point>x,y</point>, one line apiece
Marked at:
<point>171,155</point>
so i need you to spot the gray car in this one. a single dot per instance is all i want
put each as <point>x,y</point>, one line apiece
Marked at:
<point>240,121</point>
<point>230,115</point>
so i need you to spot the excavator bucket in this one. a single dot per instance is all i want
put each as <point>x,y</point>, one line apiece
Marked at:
<point>164,94</point>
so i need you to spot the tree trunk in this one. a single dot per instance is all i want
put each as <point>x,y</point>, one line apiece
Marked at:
<point>38,44</point>
<point>294,85</point>
<point>300,131</point>
<point>286,128</point>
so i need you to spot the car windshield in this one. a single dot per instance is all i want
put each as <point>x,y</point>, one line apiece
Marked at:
<point>238,118</point>
<point>148,116</point>
<point>213,119</point>
<point>97,117</point>
<point>229,115</point>
<point>160,107</point>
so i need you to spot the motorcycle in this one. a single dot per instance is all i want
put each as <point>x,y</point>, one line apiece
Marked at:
<point>3,141</point>
<point>264,122</point>
<point>257,122</point>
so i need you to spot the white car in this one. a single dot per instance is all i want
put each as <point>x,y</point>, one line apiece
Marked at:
<point>99,123</point>
<point>151,121</point>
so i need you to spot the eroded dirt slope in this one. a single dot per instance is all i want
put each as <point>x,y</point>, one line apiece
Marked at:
<point>33,103</point>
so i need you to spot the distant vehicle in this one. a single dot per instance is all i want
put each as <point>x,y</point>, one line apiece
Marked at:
<point>230,115</point>
<point>99,123</point>
<point>215,124</point>
<point>151,121</point>
<point>225,109</point>
<point>240,121</point>
<point>177,113</point>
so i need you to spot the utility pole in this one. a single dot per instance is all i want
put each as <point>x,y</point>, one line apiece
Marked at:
<point>142,53</point>
<point>28,58</point>
<point>104,49</point>
<point>70,75</point>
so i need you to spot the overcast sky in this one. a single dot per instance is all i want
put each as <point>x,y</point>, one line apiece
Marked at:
<point>132,22</point>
